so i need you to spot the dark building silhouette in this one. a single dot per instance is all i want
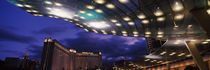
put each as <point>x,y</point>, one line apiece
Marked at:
<point>57,57</point>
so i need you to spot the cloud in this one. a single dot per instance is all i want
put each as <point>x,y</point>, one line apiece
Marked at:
<point>112,47</point>
<point>51,30</point>
<point>10,36</point>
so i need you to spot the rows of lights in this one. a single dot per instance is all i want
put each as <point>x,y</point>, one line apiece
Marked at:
<point>206,41</point>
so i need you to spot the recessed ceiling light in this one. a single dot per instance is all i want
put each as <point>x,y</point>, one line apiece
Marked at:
<point>90,7</point>
<point>61,12</point>
<point>48,2</point>
<point>89,14</point>
<point>131,23</point>
<point>113,20</point>
<point>82,11</point>
<point>123,1</point>
<point>118,24</point>
<point>208,11</point>
<point>19,5</point>
<point>159,32</point>
<point>158,12</point>
<point>28,6</point>
<point>177,7</point>
<point>82,17</point>
<point>159,35</point>
<point>110,6</point>
<point>58,4</point>
<point>178,16</point>
<point>126,19</point>
<point>113,31</point>
<point>124,32</point>
<point>135,35</point>
<point>148,32</point>
<point>100,1</point>
<point>99,10</point>
<point>204,42</point>
<point>145,21</point>
<point>160,19</point>
<point>135,32</point>
<point>141,16</point>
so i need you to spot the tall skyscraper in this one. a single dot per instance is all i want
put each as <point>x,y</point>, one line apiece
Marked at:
<point>55,56</point>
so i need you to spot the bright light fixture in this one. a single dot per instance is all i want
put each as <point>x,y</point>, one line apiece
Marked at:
<point>118,24</point>
<point>86,30</point>
<point>48,2</point>
<point>100,1</point>
<point>19,5</point>
<point>113,20</point>
<point>172,53</point>
<point>103,31</point>
<point>82,11</point>
<point>28,6</point>
<point>135,35</point>
<point>48,8</point>
<point>179,17</point>
<point>208,11</point>
<point>141,16</point>
<point>99,24</point>
<point>110,6</point>
<point>208,40</point>
<point>61,12</point>
<point>89,14</point>
<point>204,42</point>
<point>160,19</point>
<point>131,23</point>
<point>181,54</point>
<point>123,1</point>
<point>145,21</point>
<point>113,31</point>
<point>99,10</point>
<point>126,19</point>
<point>158,12</point>
<point>58,4</point>
<point>177,7</point>
<point>159,35</point>
<point>82,17</point>
<point>147,32</point>
<point>94,30</point>
<point>147,35</point>
<point>135,32</point>
<point>28,10</point>
<point>164,52</point>
<point>160,32</point>
<point>90,7</point>
<point>124,32</point>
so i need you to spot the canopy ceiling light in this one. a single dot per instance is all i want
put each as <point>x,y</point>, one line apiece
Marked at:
<point>135,32</point>
<point>61,12</point>
<point>208,11</point>
<point>58,4</point>
<point>28,6</point>
<point>177,7</point>
<point>82,11</point>
<point>178,16</point>
<point>131,23</point>
<point>113,20</point>
<point>124,32</point>
<point>90,7</point>
<point>100,1</point>
<point>99,10</point>
<point>160,19</point>
<point>19,5</point>
<point>99,24</point>
<point>141,16</point>
<point>145,21</point>
<point>158,12</point>
<point>118,24</point>
<point>48,2</point>
<point>147,32</point>
<point>126,19</point>
<point>110,6</point>
<point>123,1</point>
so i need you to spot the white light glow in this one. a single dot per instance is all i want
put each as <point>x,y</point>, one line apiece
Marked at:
<point>48,2</point>
<point>164,52</point>
<point>135,35</point>
<point>131,23</point>
<point>159,35</point>
<point>100,1</point>
<point>99,10</point>
<point>113,20</point>
<point>179,17</point>
<point>28,10</point>
<point>160,32</point>
<point>177,7</point>
<point>82,11</point>
<point>19,5</point>
<point>208,40</point>
<point>58,4</point>
<point>89,14</point>
<point>141,16</point>
<point>99,24</point>
<point>126,19</point>
<point>123,1</point>
<point>28,6</point>
<point>204,42</point>
<point>147,32</point>
<point>172,53</point>
<point>113,31</point>
<point>90,7</point>
<point>135,32</point>
<point>158,12</point>
<point>76,15</point>
<point>145,21</point>
<point>153,57</point>
<point>94,30</point>
<point>118,24</point>
<point>208,11</point>
<point>147,35</point>
<point>160,19</point>
<point>82,17</point>
<point>124,32</point>
<point>48,8</point>
<point>61,12</point>
<point>110,6</point>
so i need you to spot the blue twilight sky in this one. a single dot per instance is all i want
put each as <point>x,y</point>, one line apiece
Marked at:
<point>21,32</point>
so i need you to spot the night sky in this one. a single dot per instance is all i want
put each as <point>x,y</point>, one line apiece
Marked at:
<point>21,32</point>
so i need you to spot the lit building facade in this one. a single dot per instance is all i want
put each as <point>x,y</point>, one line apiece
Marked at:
<point>57,57</point>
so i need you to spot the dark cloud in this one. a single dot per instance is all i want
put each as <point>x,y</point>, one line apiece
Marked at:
<point>35,52</point>
<point>112,47</point>
<point>10,36</point>
<point>51,30</point>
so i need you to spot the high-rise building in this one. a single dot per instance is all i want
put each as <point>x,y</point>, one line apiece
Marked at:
<point>55,56</point>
